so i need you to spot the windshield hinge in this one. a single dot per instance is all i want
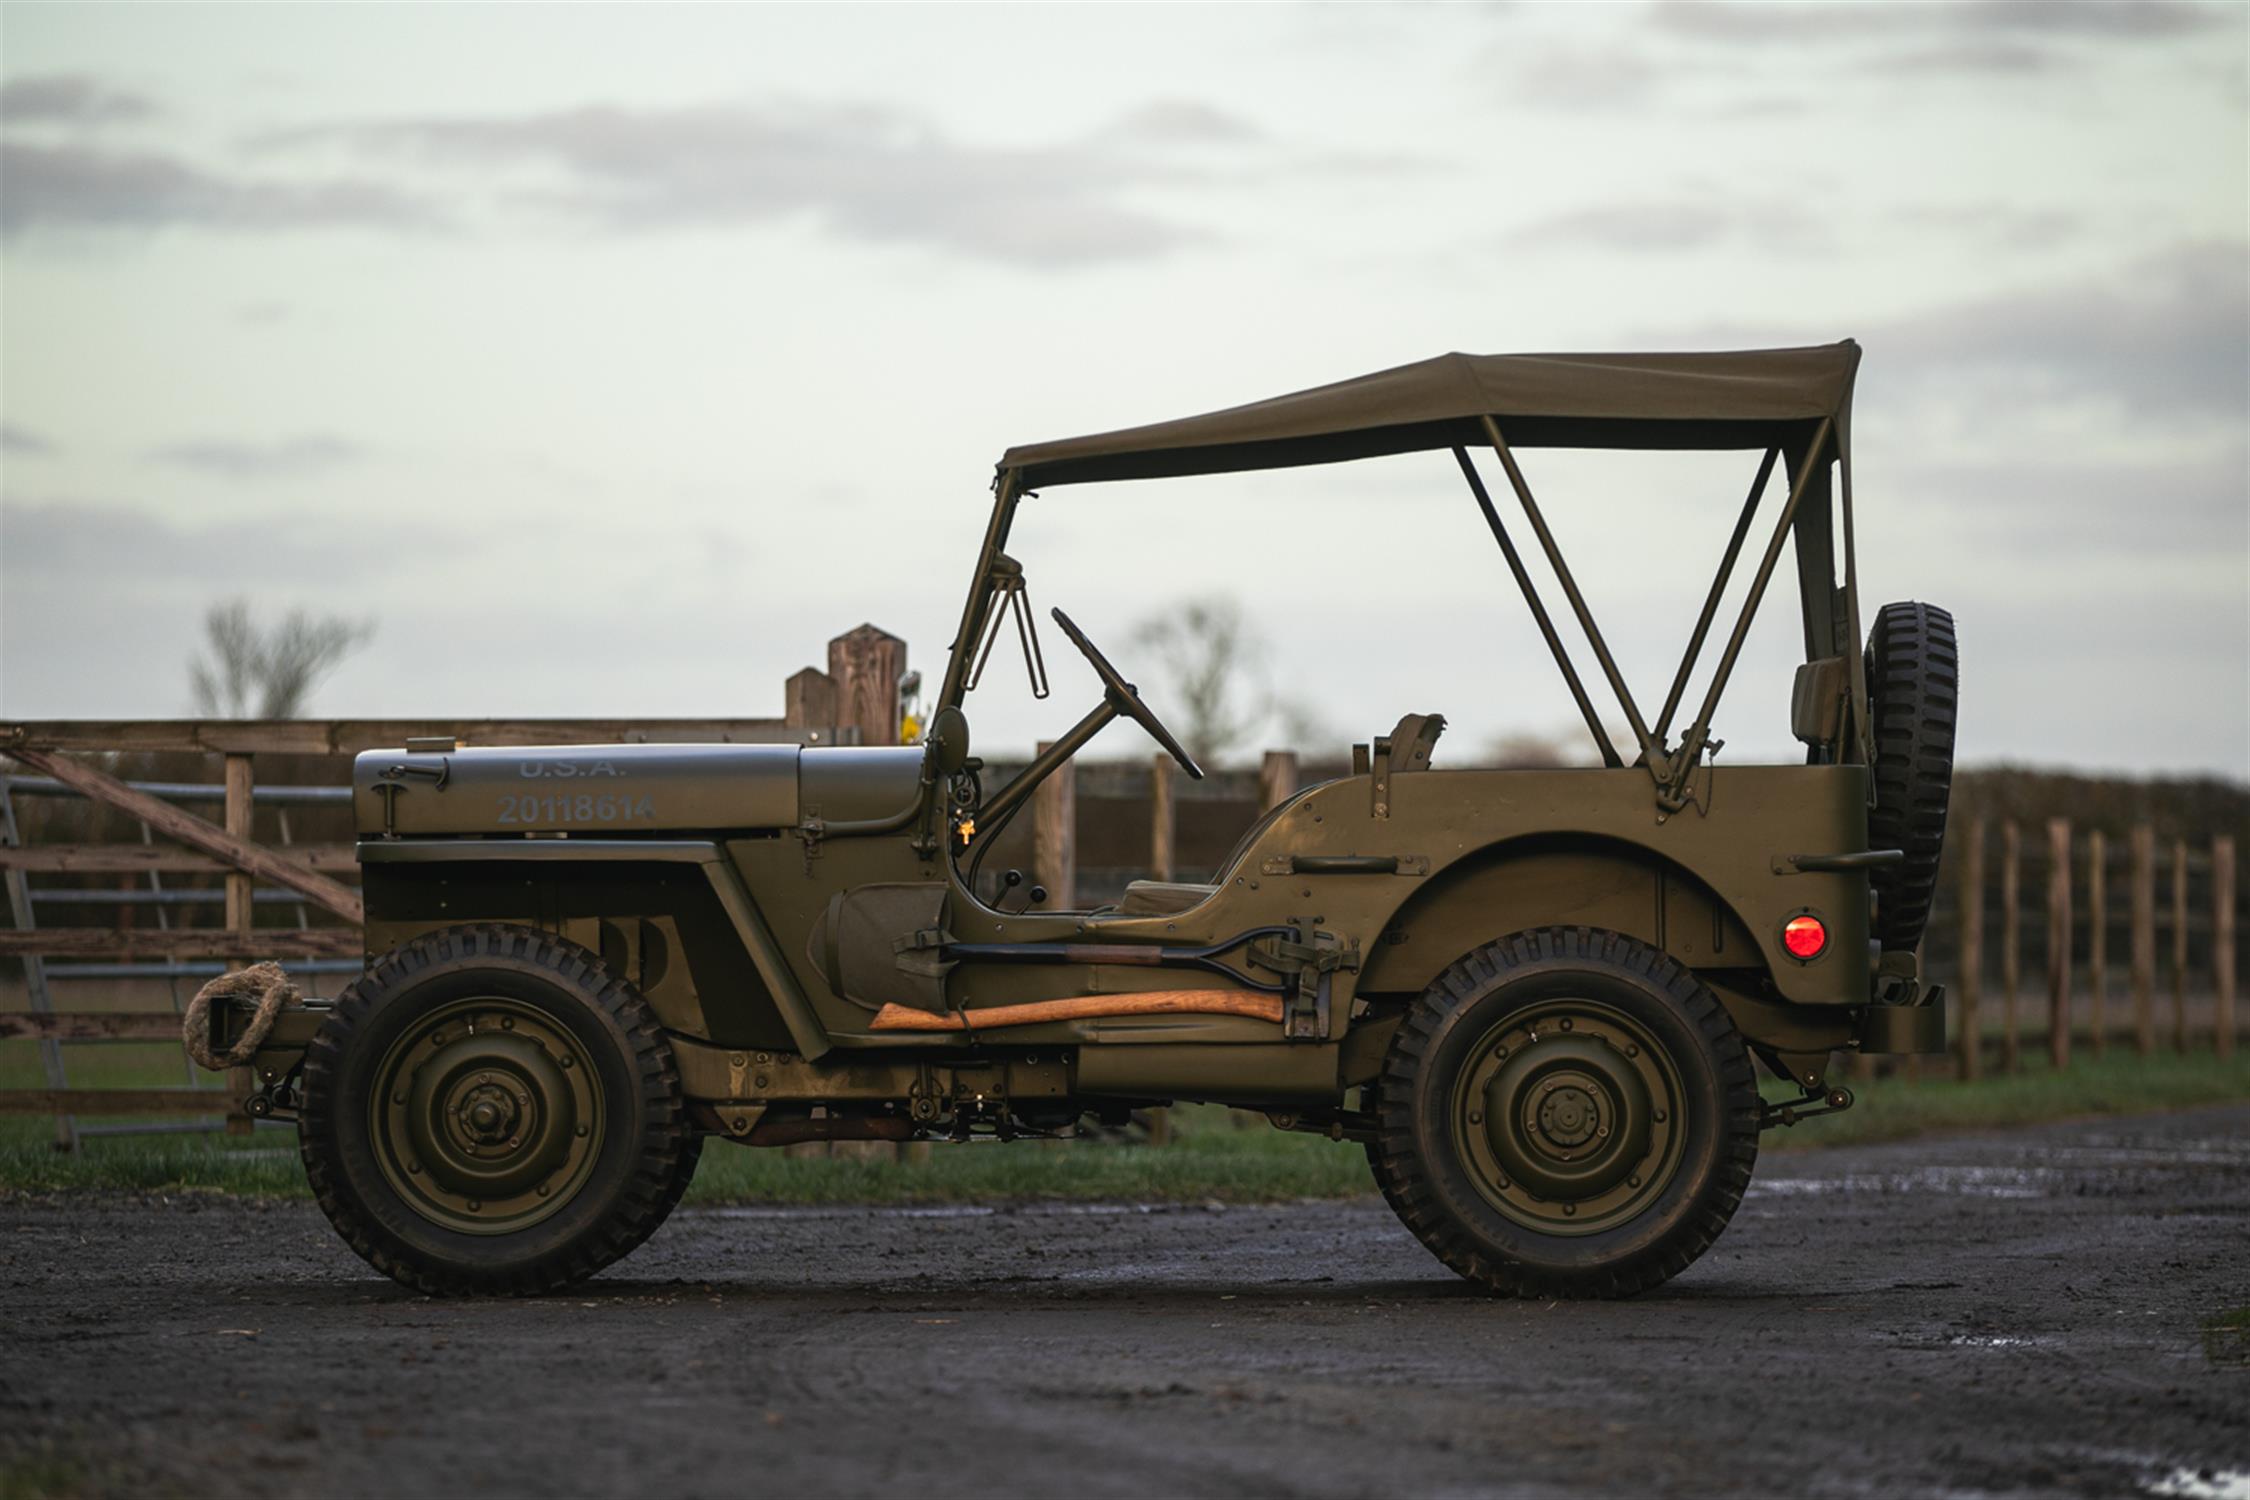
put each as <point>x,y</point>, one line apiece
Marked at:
<point>1014,598</point>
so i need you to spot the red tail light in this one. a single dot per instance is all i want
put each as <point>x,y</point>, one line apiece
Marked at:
<point>1804,937</point>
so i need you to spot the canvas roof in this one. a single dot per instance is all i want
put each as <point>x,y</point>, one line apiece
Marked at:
<point>1750,398</point>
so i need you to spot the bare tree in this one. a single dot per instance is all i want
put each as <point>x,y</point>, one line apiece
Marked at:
<point>1213,668</point>
<point>269,668</point>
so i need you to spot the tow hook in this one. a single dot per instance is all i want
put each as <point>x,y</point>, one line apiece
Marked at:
<point>1790,1111</point>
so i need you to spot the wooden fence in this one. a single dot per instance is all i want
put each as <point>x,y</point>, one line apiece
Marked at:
<point>856,700</point>
<point>2166,908</point>
<point>2176,950</point>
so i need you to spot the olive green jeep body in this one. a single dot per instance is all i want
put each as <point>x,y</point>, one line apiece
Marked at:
<point>1531,995</point>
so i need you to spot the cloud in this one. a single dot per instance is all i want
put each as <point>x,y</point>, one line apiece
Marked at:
<point>91,551</point>
<point>2000,225</point>
<point>22,442</point>
<point>84,187</point>
<point>2162,338</point>
<point>69,98</point>
<point>1987,38</point>
<point>290,458</point>
<point>1675,224</point>
<point>1768,24</point>
<point>863,173</point>
<point>1184,122</point>
<point>1575,77</point>
<point>2094,517</point>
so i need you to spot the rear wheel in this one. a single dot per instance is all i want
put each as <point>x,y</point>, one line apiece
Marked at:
<point>1566,1113</point>
<point>1914,690</point>
<point>489,1109</point>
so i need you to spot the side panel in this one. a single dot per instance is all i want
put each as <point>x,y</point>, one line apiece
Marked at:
<point>1735,844</point>
<point>662,922</point>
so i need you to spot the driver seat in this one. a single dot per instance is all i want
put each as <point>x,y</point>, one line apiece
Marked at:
<point>1162,898</point>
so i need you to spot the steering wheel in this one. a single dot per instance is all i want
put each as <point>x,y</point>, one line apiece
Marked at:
<point>1125,698</point>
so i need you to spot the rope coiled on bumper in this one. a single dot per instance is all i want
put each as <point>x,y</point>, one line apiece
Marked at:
<point>263,983</point>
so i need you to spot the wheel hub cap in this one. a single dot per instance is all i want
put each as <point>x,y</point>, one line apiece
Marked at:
<point>486,1118</point>
<point>1568,1117</point>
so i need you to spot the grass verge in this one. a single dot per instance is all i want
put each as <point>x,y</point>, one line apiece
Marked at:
<point>1212,1155</point>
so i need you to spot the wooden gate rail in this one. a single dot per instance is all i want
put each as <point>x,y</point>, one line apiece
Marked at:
<point>227,847</point>
<point>139,859</point>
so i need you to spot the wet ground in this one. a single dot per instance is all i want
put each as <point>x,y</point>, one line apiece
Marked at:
<point>2052,1311</point>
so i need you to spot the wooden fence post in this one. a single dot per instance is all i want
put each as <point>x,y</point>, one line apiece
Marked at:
<point>2058,943</point>
<point>1971,980</point>
<point>867,664</point>
<point>2179,945</point>
<point>2222,943</point>
<point>808,700</point>
<point>2144,939</point>
<point>1277,779</point>
<point>2097,933</point>
<point>1054,834</point>
<point>240,909</point>
<point>2011,938</point>
<point>858,691</point>
<point>1163,823</point>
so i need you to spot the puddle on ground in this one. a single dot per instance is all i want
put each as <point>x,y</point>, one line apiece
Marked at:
<point>1973,1182</point>
<point>2202,1484</point>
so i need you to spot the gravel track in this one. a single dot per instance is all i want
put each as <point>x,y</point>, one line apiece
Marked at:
<point>2041,1311</point>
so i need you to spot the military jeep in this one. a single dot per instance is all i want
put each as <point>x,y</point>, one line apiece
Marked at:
<point>1535,998</point>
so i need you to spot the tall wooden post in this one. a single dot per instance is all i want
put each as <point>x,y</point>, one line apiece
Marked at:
<point>2222,943</point>
<point>1971,979</point>
<point>1277,779</point>
<point>1163,825</point>
<point>2058,943</point>
<point>864,668</point>
<point>2097,934</point>
<point>2011,938</point>
<point>868,664</point>
<point>239,822</point>
<point>2179,945</point>
<point>1054,830</point>
<point>2144,939</point>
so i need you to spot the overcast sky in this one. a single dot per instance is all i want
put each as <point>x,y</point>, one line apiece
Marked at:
<point>613,359</point>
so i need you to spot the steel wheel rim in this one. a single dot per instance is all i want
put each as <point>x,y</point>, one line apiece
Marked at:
<point>487,1116</point>
<point>1567,1116</point>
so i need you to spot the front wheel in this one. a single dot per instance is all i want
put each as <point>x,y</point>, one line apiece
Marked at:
<point>1566,1113</point>
<point>489,1109</point>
